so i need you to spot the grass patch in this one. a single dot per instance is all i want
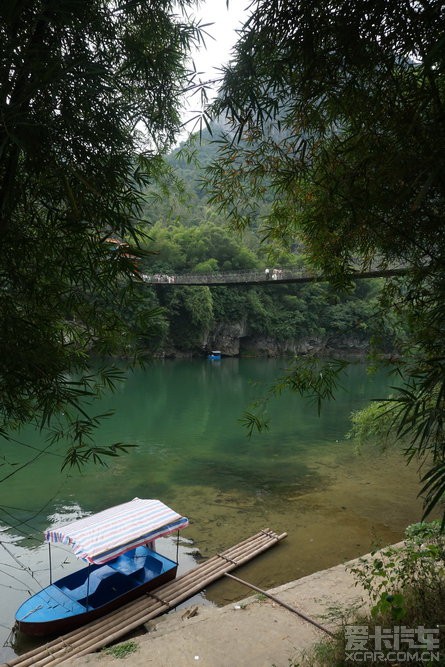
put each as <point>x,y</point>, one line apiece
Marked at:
<point>122,650</point>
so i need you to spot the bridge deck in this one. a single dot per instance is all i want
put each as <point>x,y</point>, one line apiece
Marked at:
<point>283,276</point>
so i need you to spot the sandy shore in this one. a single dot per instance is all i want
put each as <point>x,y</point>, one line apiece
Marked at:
<point>255,632</point>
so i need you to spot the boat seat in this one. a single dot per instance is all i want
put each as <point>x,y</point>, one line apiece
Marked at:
<point>96,577</point>
<point>108,589</point>
<point>152,569</point>
<point>128,565</point>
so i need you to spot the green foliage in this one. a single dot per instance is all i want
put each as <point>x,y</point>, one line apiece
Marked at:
<point>229,305</point>
<point>306,376</point>
<point>182,248</point>
<point>373,424</point>
<point>420,408</point>
<point>189,235</point>
<point>334,118</point>
<point>207,267</point>
<point>253,422</point>
<point>207,245</point>
<point>190,316</point>
<point>76,79</point>
<point>401,581</point>
<point>424,530</point>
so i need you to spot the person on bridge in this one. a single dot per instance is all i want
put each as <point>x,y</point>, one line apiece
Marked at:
<point>267,272</point>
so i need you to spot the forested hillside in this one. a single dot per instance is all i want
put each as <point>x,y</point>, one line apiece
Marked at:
<point>186,233</point>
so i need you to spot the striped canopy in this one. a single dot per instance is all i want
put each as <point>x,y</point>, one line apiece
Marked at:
<point>101,537</point>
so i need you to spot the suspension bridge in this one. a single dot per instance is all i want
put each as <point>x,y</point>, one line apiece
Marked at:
<point>263,277</point>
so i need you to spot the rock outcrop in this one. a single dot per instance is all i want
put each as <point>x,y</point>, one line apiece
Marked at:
<point>234,339</point>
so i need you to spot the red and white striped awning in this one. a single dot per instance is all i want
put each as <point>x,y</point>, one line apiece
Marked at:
<point>103,536</point>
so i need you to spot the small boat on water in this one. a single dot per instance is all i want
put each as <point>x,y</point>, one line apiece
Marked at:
<point>118,545</point>
<point>214,355</point>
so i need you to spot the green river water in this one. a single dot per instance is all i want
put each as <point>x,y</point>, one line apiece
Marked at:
<point>302,477</point>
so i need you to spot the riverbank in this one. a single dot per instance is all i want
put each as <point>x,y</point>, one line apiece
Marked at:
<point>255,632</point>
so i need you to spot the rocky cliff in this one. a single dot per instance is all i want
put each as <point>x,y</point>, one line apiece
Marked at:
<point>234,339</point>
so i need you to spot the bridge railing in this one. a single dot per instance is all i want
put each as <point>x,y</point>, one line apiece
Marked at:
<point>249,276</point>
<point>223,277</point>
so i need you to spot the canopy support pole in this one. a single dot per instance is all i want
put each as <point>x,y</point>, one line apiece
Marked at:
<point>177,547</point>
<point>50,564</point>
<point>88,584</point>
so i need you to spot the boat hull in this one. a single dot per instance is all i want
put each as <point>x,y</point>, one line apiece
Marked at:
<point>72,601</point>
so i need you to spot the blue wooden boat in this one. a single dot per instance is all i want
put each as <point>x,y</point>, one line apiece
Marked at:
<point>214,355</point>
<point>122,566</point>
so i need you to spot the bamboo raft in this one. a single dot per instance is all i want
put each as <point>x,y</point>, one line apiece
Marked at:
<point>117,624</point>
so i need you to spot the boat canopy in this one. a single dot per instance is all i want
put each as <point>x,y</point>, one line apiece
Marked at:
<point>103,536</point>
